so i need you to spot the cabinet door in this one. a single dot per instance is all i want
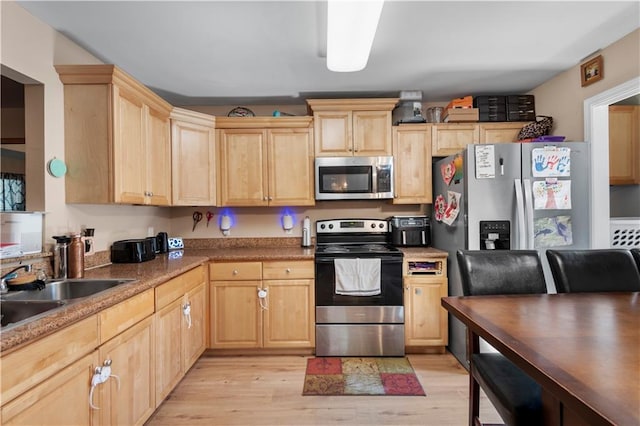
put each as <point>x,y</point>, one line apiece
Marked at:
<point>193,170</point>
<point>243,167</point>
<point>291,167</point>
<point>289,320</point>
<point>412,168</point>
<point>168,372</point>
<point>158,160</point>
<point>61,400</point>
<point>132,360</point>
<point>491,133</point>
<point>195,329</point>
<point>425,319</point>
<point>372,133</point>
<point>333,133</point>
<point>236,318</point>
<point>448,139</point>
<point>129,157</point>
<point>624,144</point>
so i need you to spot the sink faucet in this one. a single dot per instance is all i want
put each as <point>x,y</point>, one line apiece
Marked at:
<point>3,283</point>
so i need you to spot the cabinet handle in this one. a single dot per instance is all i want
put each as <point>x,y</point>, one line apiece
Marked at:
<point>186,311</point>
<point>235,272</point>
<point>288,270</point>
<point>150,194</point>
<point>270,198</point>
<point>101,375</point>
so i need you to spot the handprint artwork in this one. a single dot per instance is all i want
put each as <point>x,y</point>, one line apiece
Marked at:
<point>551,161</point>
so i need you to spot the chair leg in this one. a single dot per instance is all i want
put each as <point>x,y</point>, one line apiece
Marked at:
<point>474,402</point>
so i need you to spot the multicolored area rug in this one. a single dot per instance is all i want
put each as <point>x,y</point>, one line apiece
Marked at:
<point>361,376</point>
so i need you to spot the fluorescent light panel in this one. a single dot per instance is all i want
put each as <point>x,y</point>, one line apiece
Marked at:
<point>351,28</point>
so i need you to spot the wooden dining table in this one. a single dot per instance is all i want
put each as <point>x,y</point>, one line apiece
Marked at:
<point>582,348</point>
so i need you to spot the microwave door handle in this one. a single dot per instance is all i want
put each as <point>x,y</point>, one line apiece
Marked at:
<point>404,237</point>
<point>424,241</point>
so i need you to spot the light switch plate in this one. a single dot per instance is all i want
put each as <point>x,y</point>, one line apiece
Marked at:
<point>175,243</point>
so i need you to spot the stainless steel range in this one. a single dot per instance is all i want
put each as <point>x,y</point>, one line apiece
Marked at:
<point>359,297</point>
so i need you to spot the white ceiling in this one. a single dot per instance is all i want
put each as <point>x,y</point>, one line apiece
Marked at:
<point>241,52</point>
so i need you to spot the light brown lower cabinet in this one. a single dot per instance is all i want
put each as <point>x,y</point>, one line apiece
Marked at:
<point>128,397</point>
<point>262,305</point>
<point>63,399</point>
<point>181,319</point>
<point>426,321</point>
<point>49,381</point>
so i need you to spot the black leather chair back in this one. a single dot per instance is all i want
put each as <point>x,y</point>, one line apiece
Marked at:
<point>636,255</point>
<point>594,270</point>
<point>500,272</point>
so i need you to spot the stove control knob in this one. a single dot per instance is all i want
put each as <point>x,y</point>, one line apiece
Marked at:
<point>322,226</point>
<point>373,225</point>
<point>381,226</point>
<point>331,226</point>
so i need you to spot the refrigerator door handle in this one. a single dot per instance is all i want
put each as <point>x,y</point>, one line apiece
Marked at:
<point>520,215</point>
<point>528,203</point>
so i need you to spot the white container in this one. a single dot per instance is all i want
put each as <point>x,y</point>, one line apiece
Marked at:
<point>21,233</point>
<point>306,232</point>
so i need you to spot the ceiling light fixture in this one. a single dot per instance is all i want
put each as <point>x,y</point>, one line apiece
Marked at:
<point>351,27</point>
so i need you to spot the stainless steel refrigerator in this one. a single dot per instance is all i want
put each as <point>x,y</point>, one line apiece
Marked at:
<point>509,196</point>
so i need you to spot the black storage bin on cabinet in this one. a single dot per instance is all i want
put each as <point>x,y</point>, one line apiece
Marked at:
<point>491,108</point>
<point>521,108</point>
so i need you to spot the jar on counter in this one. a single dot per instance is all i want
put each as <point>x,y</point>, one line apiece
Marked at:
<point>76,257</point>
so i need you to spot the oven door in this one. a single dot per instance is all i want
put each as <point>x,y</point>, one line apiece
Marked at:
<point>391,293</point>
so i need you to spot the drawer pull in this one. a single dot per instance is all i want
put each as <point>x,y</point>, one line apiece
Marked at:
<point>288,270</point>
<point>235,272</point>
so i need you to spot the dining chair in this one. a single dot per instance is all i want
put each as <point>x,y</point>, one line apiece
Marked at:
<point>515,395</point>
<point>635,252</point>
<point>594,270</point>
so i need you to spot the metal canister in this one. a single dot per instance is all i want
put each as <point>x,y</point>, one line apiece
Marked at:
<point>76,257</point>
<point>61,256</point>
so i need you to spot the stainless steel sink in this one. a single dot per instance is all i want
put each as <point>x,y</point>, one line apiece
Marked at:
<point>66,289</point>
<point>14,311</point>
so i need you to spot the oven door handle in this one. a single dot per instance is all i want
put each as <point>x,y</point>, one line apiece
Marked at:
<point>383,259</point>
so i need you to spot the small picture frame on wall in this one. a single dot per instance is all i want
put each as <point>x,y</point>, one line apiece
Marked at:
<point>592,71</point>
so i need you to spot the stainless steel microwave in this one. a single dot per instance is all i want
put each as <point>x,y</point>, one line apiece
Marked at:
<point>354,178</point>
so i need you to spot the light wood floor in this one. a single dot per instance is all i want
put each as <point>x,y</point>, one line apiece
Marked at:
<point>267,390</point>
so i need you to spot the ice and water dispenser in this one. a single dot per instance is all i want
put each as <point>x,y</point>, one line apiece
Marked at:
<point>495,235</point>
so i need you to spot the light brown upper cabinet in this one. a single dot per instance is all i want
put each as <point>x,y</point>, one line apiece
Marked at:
<point>624,145</point>
<point>117,138</point>
<point>352,127</point>
<point>451,138</point>
<point>265,161</point>
<point>500,132</point>
<point>412,168</point>
<point>193,158</point>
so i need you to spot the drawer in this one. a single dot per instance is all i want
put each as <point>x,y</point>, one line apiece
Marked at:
<point>289,269</point>
<point>38,361</point>
<point>178,286</point>
<point>118,318</point>
<point>235,271</point>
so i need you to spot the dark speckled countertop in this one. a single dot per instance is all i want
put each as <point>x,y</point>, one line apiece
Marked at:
<point>151,274</point>
<point>148,275</point>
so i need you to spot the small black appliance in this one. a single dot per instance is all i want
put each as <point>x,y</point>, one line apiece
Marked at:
<point>409,231</point>
<point>132,251</point>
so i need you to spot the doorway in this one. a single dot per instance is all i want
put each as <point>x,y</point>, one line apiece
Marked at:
<point>596,131</point>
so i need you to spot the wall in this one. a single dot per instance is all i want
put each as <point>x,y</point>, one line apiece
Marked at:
<point>562,97</point>
<point>31,48</point>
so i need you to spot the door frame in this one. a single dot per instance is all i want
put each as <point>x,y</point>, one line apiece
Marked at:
<point>596,131</point>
